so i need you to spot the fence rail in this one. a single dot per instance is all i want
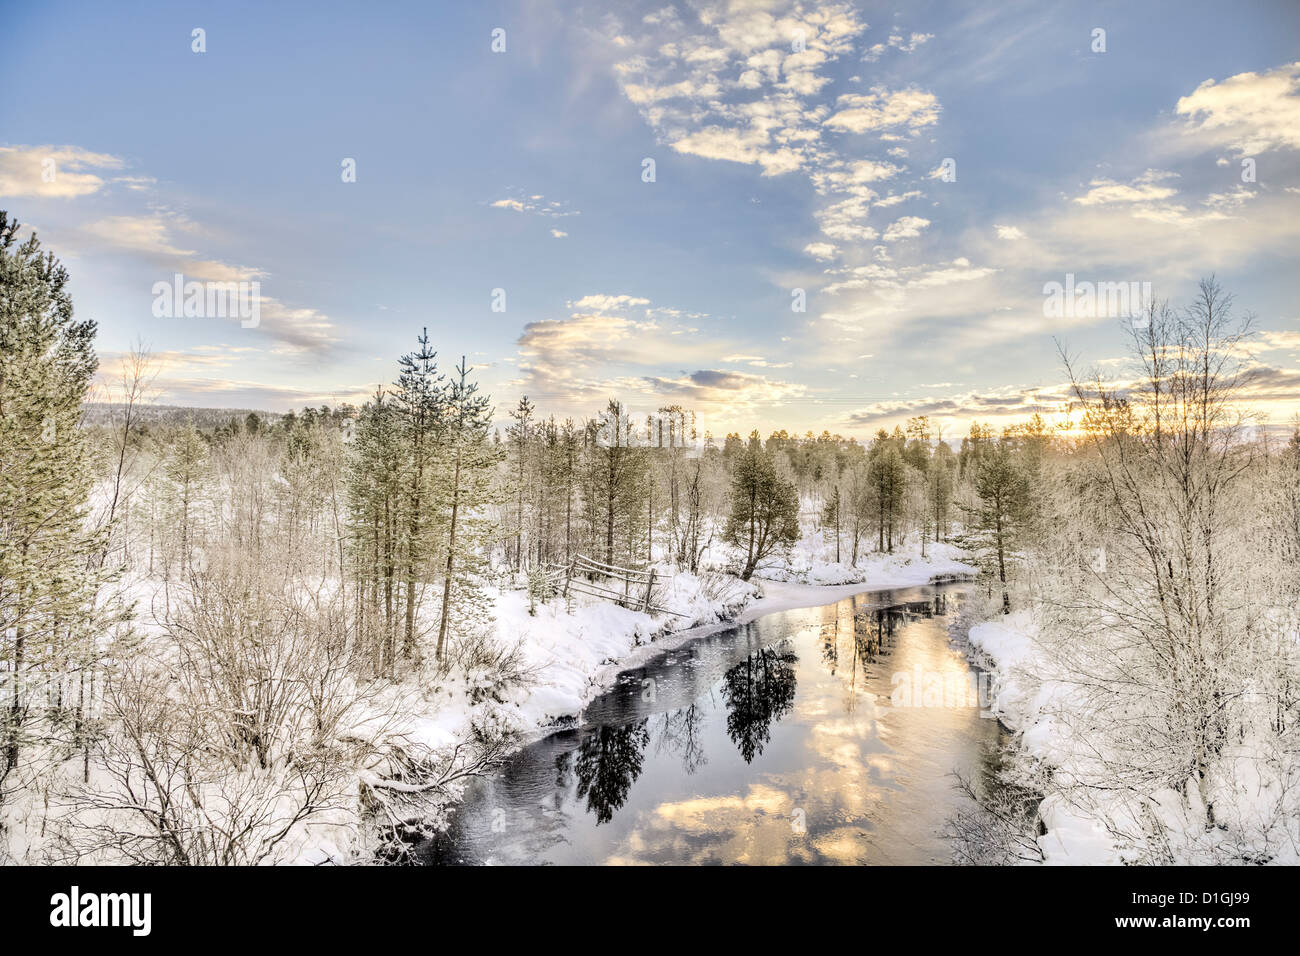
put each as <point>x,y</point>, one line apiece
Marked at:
<point>584,575</point>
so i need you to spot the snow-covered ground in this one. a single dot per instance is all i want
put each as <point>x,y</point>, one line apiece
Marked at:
<point>1023,699</point>
<point>811,563</point>
<point>567,651</point>
<point>576,649</point>
<point>1039,702</point>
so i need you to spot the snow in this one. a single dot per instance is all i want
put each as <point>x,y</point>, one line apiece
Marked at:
<point>1025,701</point>
<point>1073,838</point>
<point>576,649</point>
<point>569,651</point>
<point>1036,703</point>
<point>1009,642</point>
<point>810,562</point>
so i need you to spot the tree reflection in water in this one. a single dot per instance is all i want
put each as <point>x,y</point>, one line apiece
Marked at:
<point>609,761</point>
<point>680,732</point>
<point>758,692</point>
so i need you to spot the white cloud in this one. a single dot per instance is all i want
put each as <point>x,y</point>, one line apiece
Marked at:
<point>846,220</point>
<point>536,205</point>
<point>821,250</point>
<point>149,234</point>
<point>755,361</point>
<point>898,42</point>
<point>607,303</point>
<point>896,198</point>
<point>1008,232</point>
<point>24,171</point>
<point>847,175</point>
<point>1249,113</point>
<point>883,109</point>
<point>750,83</point>
<point>739,146</point>
<point>1146,188</point>
<point>599,351</point>
<point>905,227</point>
<point>151,244</point>
<point>1231,199</point>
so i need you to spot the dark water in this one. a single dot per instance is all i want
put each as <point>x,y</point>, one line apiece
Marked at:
<point>767,743</point>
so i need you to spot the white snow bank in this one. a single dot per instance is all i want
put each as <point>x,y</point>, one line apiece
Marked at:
<point>904,567</point>
<point>1025,698</point>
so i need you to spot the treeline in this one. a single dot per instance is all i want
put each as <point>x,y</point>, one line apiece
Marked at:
<point>1154,538</point>
<point>98,413</point>
<point>669,494</point>
<point>207,633</point>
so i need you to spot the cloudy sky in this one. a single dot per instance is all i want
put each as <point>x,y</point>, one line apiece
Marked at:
<point>801,151</point>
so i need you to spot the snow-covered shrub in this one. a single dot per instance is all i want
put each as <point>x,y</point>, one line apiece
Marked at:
<point>230,732</point>
<point>490,666</point>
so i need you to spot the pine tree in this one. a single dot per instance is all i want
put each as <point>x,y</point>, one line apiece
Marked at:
<point>764,509</point>
<point>520,435</point>
<point>996,520</point>
<point>421,405</point>
<point>469,489</point>
<point>940,477</point>
<point>47,584</point>
<point>617,474</point>
<point>571,449</point>
<point>889,480</point>
<point>373,492</point>
<point>184,471</point>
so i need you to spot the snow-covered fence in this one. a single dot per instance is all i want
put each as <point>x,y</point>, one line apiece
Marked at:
<point>627,587</point>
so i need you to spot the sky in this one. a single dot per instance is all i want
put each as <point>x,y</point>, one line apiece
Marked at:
<point>913,175</point>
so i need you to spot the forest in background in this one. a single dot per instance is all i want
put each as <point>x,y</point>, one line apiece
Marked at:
<point>212,632</point>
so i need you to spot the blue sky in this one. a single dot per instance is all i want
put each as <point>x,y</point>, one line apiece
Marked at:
<point>796,146</point>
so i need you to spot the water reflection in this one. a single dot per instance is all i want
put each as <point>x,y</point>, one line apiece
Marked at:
<point>609,761</point>
<point>758,691</point>
<point>681,733</point>
<point>772,742</point>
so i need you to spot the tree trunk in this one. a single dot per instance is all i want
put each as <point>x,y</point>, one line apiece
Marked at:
<point>451,559</point>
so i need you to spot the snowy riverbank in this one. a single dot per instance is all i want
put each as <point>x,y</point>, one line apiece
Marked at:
<point>1045,703</point>
<point>575,651</point>
<point>1026,701</point>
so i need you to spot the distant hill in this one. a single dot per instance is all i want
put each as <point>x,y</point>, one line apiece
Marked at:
<point>100,413</point>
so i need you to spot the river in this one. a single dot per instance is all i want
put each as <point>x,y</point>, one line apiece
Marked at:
<point>770,742</point>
